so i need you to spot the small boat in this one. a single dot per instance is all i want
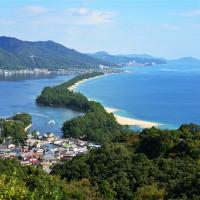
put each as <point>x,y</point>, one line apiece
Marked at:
<point>51,122</point>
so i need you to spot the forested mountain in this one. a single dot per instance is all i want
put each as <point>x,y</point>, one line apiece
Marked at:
<point>143,59</point>
<point>15,54</point>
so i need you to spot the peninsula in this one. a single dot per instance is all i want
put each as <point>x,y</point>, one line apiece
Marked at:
<point>95,125</point>
<point>98,124</point>
<point>131,121</point>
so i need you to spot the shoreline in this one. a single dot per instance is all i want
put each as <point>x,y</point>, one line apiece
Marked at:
<point>28,127</point>
<point>131,121</point>
<point>122,120</point>
<point>74,86</point>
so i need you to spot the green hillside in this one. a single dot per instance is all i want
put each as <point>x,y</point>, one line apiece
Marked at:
<point>16,54</point>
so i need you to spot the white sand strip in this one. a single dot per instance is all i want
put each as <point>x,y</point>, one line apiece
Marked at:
<point>120,119</point>
<point>111,110</point>
<point>73,87</point>
<point>131,121</point>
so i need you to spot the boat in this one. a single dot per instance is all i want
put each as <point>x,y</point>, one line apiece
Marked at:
<point>51,122</point>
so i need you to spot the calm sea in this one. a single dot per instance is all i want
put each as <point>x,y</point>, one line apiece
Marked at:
<point>17,94</point>
<point>168,94</point>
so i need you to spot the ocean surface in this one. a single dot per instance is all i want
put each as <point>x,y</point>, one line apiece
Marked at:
<point>18,94</point>
<point>168,94</point>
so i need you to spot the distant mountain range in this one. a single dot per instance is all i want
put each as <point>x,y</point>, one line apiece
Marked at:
<point>15,53</point>
<point>131,59</point>
<point>187,60</point>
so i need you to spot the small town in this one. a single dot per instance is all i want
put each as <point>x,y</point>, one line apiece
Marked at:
<point>60,71</point>
<point>45,150</point>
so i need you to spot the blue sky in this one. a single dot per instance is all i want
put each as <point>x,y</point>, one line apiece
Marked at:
<point>166,28</point>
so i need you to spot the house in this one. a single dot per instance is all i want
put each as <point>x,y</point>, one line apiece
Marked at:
<point>59,142</point>
<point>40,151</point>
<point>67,155</point>
<point>48,156</point>
<point>11,146</point>
<point>31,160</point>
<point>3,148</point>
<point>25,149</point>
<point>82,150</point>
<point>46,166</point>
<point>31,141</point>
<point>25,163</point>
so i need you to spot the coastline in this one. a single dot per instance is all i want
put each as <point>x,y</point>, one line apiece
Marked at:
<point>120,119</point>
<point>131,121</point>
<point>28,127</point>
<point>74,86</point>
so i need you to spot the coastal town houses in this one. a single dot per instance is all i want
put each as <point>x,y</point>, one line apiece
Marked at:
<point>45,150</point>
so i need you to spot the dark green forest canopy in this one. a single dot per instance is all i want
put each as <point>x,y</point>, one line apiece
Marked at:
<point>151,165</point>
<point>61,96</point>
<point>123,170</point>
<point>30,183</point>
<point>25,118</point>
<point>81,77</point>
<point>96,125</point>
<point>155,164</point>
<point>14,127</point>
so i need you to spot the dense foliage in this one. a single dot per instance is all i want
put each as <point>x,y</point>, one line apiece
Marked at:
<point>16,54</point>
<point>61,96</point>
<point>81,77</point>
<point>156,165</point>
<point>25,118</point>
<point>28,183</point>
<point>14,127</point>
<point>96,125</point>
<point>152,165</point>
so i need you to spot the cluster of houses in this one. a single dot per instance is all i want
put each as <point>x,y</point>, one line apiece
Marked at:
<point>6,72</point>
<point>36,71</point>
<point>45,150</point>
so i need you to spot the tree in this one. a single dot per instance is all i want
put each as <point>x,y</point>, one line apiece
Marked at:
<point>149,192</point>
<point>12,188</point>
<point>25,118</point>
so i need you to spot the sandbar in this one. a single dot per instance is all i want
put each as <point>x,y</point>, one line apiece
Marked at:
<point>131,121</point>
<point>120,119</point>
<point>73,87</point>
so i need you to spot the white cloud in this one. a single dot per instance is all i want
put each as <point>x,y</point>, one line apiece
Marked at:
<point>192,13</point>
<point>171,27</point>
<point>79,11</point>
<point>75,16</point>
<point>85,16</point>
<point>189,13</point>
<point>35,10</point>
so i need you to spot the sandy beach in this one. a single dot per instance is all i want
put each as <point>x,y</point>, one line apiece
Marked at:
<point>120,119</point>
<point>131,121</point>
<point>73,87</point>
